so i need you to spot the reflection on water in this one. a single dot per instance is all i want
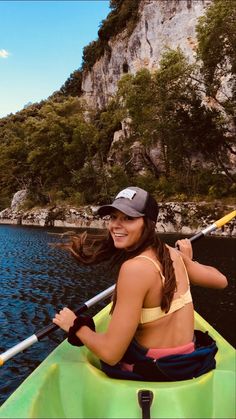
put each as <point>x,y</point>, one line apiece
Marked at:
<point>37,280</point>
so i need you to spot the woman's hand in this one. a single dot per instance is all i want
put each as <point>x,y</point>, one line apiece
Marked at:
<point>199,274</point>
<point>64,319</point>
<point>185,247</point>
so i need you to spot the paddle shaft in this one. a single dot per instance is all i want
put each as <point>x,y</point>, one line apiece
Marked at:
<point>217,224</point>
<point>203,233</point>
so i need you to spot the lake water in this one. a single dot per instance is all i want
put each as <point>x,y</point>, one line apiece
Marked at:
<point>38,280</point>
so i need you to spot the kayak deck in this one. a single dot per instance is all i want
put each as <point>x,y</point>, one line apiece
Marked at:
<point>70,384</point>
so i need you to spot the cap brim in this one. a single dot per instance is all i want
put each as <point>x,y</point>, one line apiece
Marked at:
<point>107,209</point>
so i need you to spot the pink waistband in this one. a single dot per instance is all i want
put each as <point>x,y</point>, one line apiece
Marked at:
<point>178,350</point>
<point>159,353</point>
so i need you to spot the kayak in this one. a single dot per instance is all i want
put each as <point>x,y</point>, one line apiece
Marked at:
<point>70,384</point>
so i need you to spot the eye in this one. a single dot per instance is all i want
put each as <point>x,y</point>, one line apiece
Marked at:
<point>129,218</point>
<point>113,217</point>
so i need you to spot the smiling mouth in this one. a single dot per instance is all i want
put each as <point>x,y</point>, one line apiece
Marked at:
<point>120,235</point>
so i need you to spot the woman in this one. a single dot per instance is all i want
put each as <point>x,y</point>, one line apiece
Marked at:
<point>152,317</point>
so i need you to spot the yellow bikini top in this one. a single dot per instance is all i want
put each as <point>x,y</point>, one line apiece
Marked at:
<point>155,313</point>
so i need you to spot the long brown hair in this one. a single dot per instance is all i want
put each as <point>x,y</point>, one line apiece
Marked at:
<point>90,249</point>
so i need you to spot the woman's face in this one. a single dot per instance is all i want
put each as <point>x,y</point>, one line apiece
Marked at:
<point>125,231</point>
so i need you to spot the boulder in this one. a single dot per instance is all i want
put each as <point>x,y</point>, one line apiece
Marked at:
<point>18,199</point>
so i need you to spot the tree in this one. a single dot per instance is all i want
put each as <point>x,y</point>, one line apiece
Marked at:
<point>60,142</point>
<point>166,110</point>
<point>41,152</point>
<point>88,181</point>
<point>73,85</point>
<point>14,168</point>
<point>216,32</point>
<point>107,121</point>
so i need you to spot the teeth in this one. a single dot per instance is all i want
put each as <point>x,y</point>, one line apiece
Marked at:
<point>119,235</point>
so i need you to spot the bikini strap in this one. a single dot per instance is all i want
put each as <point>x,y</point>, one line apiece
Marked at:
<point>155,264</point>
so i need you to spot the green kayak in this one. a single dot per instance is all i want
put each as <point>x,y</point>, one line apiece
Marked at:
<point>70,384</point>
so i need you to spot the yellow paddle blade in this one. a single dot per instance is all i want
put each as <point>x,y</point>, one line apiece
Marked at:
<point>219,223</point>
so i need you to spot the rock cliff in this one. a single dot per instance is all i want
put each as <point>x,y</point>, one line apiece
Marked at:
<point>161,24</point>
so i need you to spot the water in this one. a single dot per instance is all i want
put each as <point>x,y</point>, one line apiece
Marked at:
<point>38,280</point>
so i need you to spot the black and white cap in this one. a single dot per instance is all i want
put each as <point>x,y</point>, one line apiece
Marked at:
<point>134,202</point>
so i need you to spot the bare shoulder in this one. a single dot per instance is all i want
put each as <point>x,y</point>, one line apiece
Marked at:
<point>138,265</point>
<point>133,266</point>
<point>138,270</point>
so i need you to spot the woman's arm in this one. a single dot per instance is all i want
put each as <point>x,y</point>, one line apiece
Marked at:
<point>111,345</point>
<point>199,274</point>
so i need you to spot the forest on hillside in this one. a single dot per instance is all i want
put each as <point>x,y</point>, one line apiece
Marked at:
<point>60,150</point>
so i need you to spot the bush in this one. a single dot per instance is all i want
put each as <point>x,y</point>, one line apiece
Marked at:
<point>77,199</point>
<point>117,180</point>
<point>146,181</point>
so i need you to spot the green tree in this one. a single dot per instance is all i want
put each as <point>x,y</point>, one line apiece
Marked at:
<point>167,111</point>
<point>216,33</point>
<point>107,121</point>
<point>73,85</point>
<point>14,168</point>
<point>88,182</point>
<point>60,142</point>
<point>117,179</point>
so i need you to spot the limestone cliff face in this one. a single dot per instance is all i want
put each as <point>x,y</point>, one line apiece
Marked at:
<point>168,23</point>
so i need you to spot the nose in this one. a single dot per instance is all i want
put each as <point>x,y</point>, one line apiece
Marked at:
<point>115,222</point>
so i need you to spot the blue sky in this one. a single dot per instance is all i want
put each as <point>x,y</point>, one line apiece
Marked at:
<point>41,44</point>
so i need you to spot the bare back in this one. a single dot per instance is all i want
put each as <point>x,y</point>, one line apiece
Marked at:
<point>174,329</point>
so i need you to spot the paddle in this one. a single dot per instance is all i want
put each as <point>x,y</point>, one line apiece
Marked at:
<point>99,297</point>
<point>217,224</point>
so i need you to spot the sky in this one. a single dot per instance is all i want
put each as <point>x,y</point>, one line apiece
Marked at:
<point>41,44</point>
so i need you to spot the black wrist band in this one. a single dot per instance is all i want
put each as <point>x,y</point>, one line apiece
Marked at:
<point>78,323</point>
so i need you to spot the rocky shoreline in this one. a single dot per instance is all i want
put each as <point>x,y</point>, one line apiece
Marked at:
<point>183,218</point>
